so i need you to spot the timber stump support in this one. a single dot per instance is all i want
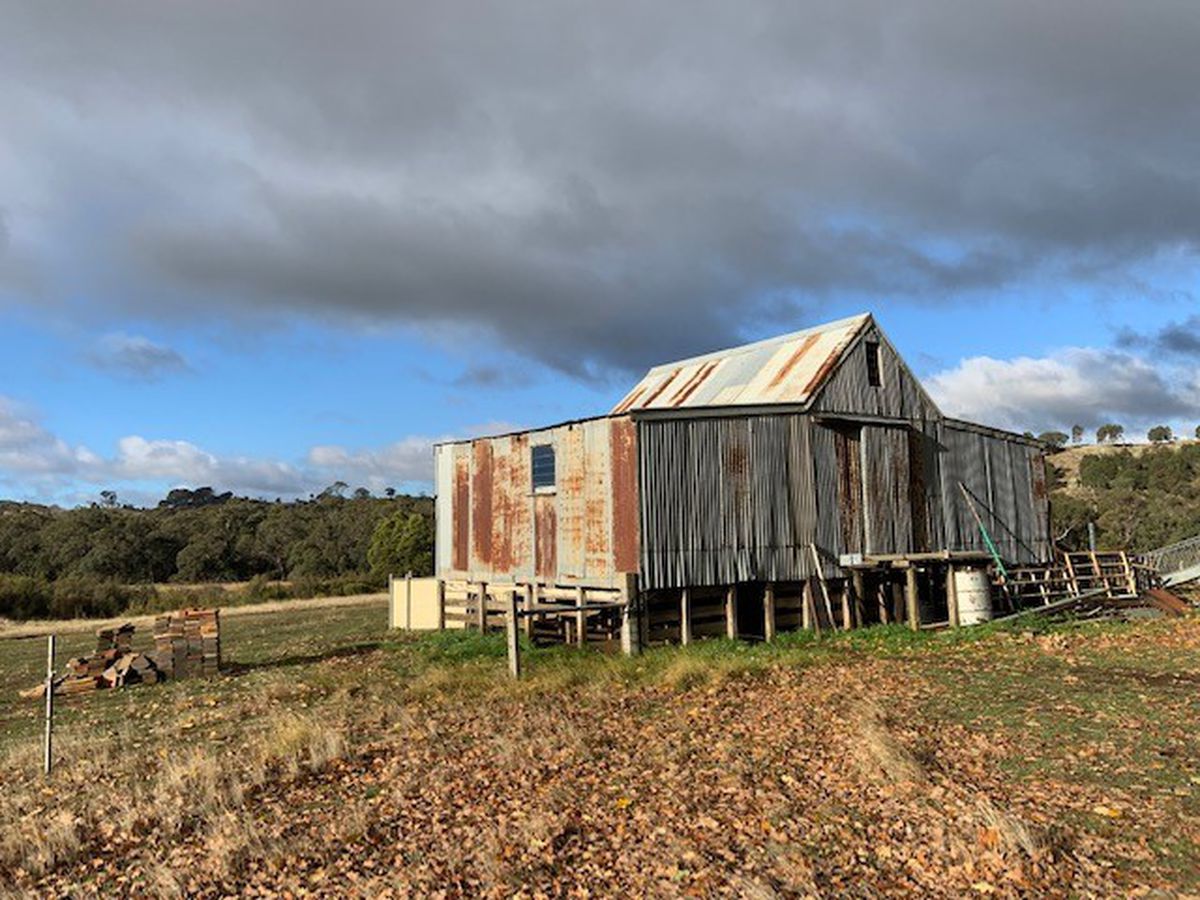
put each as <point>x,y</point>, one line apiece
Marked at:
<point>731,612</point>
<point>911,598</point>
<point>769,612</point>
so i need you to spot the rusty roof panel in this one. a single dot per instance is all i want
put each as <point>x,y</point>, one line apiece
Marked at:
<point>787,369</point>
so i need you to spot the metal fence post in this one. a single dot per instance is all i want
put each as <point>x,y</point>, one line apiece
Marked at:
<point>48,759</point>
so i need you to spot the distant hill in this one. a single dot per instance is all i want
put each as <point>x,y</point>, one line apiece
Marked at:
<point>1068,460</point>
<point>1140,496</point>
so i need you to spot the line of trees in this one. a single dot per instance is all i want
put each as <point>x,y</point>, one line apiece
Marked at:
<point>1109,433</point>
<point>199,536</point>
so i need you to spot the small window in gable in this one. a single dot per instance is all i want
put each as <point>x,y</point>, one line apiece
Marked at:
<point>873,376</point>
<point>543,466</point>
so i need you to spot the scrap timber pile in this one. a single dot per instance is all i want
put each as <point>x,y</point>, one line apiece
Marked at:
<point>187,644</point>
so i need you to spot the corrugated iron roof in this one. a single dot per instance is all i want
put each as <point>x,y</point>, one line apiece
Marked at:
<point>784,369</point>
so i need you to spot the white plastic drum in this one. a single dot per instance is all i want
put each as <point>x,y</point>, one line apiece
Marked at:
<point>974,590</point>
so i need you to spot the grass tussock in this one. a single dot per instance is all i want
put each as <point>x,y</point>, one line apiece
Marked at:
<point>881,756</point>
<point>1009,832</point>
<point>293,744</point>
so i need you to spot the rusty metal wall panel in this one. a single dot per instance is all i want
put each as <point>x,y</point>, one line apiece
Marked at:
<point>462,510</point>
<point>521,509</point>
<point>546,537</point>
<point>623,459</point>
<point>500,540</point>
<point>570,483</point>
<point>481,505</point>
<point>585,530</point>
<point>598,522</point>
<point>717,500</point>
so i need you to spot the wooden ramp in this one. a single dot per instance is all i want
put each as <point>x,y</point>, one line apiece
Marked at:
<point>1113,575</point>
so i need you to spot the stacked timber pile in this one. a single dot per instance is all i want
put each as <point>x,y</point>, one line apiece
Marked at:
<point>113,665</point>
<point>187,643</point>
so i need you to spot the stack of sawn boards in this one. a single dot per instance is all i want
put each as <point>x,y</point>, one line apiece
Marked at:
<point>187,643</point>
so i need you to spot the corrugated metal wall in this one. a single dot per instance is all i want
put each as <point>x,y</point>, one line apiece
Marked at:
<point>741,498</point>
<point>899,394</point>
<point>492,524</point>
<point>726,500</point>
<point>1007,481</point>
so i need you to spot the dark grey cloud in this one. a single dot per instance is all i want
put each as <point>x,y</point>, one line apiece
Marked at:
<point>1180,338</point>
<point>492,376</point>
<point>596,186</point>
<point>136,357</point>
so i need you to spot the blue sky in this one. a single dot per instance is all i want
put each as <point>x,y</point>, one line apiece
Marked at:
<point>272,258</point>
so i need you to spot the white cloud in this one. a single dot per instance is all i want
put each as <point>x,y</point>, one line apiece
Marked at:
<point>36,464</point>
<point>1079,385</point>
<point>27,448</point>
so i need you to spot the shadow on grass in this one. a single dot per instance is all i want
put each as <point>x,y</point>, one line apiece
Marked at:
<point>236,669</point>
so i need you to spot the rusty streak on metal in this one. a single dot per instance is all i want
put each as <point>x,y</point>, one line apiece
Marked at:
<point>694,382</point>
<point>653,395</point>
<point>823,372</point>
<point>545,538</point>
<point>503,504</point>
<point>624,495</point>
<point>629,400</point>
<point>461,513</point>
<point>521,486</point>
<point>481,501</point>
<point>787,367</point>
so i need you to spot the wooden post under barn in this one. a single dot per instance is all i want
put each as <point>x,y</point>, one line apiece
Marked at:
<point>685,617</point>
<point>884,600</point>
<point>808,612</point>
<point>731,612</point>
<point>631,616</point>
<point>580,617</point>
<point>952,597</point>
<point>530,600</point>
<point>441,605</point>
<point>514,640</point>
<point>910,595</point>
<point>481,609</point>
<point>859,593</point>
<point>769,612</point>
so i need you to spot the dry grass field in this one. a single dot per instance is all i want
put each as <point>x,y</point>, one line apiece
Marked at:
<point>336,759</point>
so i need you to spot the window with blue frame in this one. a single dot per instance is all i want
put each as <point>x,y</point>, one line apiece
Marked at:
<point>543,466</point>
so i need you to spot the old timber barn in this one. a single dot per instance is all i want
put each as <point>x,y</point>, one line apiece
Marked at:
<point>803,481</point>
